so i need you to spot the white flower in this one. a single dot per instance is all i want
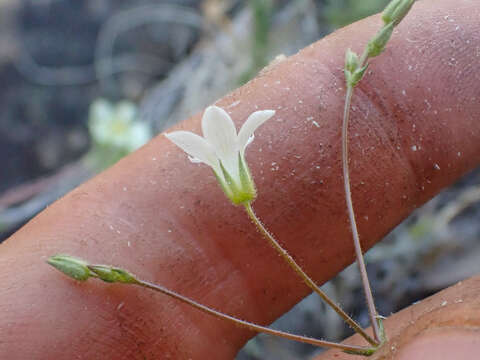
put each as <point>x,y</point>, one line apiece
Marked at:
<point>116,125</point>
<point>223,150</point>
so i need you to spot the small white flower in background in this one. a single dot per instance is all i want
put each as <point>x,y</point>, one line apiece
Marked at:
<point>116,125</point>
<point>223,150</point>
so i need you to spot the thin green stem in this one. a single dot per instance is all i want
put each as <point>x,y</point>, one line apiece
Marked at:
<point>364,58</point>
<point>254,327</point>
<point>81,270</point>
<point>351,215</point>
<point>306,279</point>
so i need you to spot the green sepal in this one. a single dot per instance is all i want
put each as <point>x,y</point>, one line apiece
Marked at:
<point>396,10</point>
<point>357,76</point>
<point>352,61</point>
<point>377,44</point>
<point>237,193</point>
<point>248,186</point>
<point>71,266</point>
<point>232,190</point>
<point>387,14</point>
<point>223,185</point>
<point>401,11</point>
<point>112,274</point>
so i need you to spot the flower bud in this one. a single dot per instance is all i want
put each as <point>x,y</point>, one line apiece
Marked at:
<point>353,73</point>
<point>396,10</point>
<point>351,61</point>
<point>355,78</point>
<point>71,266</point>
<point>377,44</point>
<point>112,274</point>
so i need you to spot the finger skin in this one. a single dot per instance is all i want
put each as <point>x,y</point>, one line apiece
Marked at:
<point>451,313</point>
<point>166,219</point>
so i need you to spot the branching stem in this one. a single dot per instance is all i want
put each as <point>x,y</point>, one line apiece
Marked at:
<point>360,350</point>
<point>306,279</point>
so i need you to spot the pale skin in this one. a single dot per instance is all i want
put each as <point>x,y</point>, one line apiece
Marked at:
<point>167,220</point>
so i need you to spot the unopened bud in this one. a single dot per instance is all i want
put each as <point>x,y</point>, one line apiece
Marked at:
<point>377,44</point>
<point>357,76</point>
<point>353,72</point>
<point>112,274</point>
<point>71,266</point>
<point>396,10</point>
<point>351,61</point>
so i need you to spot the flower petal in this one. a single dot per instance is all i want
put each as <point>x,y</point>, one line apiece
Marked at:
<point>126,111</point>
<point>138,135</point>
<point>253,122</point>
<point>195,146</point>
<point>219,131</point>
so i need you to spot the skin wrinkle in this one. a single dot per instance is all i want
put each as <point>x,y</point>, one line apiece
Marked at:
<point>222,278</point>
<point>237,275</point>
<point>417,172</point>
<point>376,139</point>
<point>116,324</point>
<point>259,290</point>
<point>388,135</point>
<point>136,328</point>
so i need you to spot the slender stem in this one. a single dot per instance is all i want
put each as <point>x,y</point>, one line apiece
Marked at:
<point>364,58</point>
<point>351,215</point>
<point>257,328</point>
<point>306,279</point>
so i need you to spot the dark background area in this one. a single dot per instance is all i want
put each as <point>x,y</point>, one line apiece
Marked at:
<point>48,54</point>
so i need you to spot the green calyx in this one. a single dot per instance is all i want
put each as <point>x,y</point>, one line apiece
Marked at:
<point>248,186</point>
<point>81,270</point>
<point>353,72</point>
<point>71,266</point>
<point>354,78</point>
<point>352,61</point>
<point>396,11</point>
<point>241,190</point>
<point>377,44</point>
<point>112,274</point>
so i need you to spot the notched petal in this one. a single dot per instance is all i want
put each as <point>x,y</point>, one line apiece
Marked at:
<point>253,122</point>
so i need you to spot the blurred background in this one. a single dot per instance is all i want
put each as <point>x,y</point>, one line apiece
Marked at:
<point>83,83</point>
